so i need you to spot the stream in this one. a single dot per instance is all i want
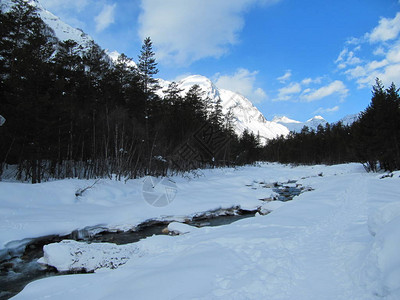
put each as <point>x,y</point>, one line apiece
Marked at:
<point>23,268</point>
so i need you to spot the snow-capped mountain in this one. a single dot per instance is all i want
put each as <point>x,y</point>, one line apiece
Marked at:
<point>245,114</point>
<point>296,126</point>
<point>349,119</point>
<point>62,30</point>
<point>114,55</point>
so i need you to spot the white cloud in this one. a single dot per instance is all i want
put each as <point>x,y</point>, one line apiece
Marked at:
<point>355,41</point>
<point>386,43</point>
<point>388,29</point>
<point>379,51</point>
<point>307,81</point>
<point>335,87</point>
<point>285,77</point>
<point>393,54</point>
<point>286,92</point>
<point>327,110</point>
<point>389,74</point>
<point>295,89</point>
<point>186,31</point>
<point>243,82</point>
<point>373,65</point>
<point>387,69</point>
<point>347,58</point>
<point>106,17</point>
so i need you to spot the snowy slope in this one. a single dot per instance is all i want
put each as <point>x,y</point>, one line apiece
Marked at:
<point>245,114</point>
<point>339,241</point>
<point>62,30</point>
<point>114,55</point>
<point>349,119</point>
<point>296,126</point>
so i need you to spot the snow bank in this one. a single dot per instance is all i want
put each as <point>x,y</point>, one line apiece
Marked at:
<point>69,255</point>
<point>383,261</point>
<point>180,228</point>
<point>270,206</point>
<point>382,216</point>
<point>30,211</point>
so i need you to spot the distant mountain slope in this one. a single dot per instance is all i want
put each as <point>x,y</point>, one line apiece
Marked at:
<point>114,55</point>
<point>245,114</point>
<point>349,119</point>
<point>62,30</point>
<point>296,126</point>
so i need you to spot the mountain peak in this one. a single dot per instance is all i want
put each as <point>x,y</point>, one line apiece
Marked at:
<point>196,79</point>
<point>316,118</point>
<point>284,119</point>
<point>296,126</point>
<point>245,116</point>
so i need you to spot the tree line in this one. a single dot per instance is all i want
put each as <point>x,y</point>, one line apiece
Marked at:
<point>72,112</point>
<point>374,139</point>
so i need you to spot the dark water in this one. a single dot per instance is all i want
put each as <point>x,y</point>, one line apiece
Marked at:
<point>287,191</point>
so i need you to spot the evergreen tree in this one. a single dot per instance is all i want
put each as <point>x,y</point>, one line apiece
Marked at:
<point>147,66</point>
<point>173,94</point>
<point>216,116</point>
<point>377,130</point>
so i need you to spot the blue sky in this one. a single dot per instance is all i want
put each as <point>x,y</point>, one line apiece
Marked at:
<point>293,58</point>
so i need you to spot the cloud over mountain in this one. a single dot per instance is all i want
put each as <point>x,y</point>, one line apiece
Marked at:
<point>242,82</point>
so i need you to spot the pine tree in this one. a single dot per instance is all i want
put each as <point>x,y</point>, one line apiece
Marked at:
<point>147,66</point>
<point>377,130</point>
<point>216,116</point>
<point>173,94</point>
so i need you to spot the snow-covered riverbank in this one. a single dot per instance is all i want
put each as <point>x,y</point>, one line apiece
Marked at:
<point>29,211</point>
<point>339,241</point>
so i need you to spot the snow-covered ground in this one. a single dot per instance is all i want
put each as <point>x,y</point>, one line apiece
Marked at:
<point>339,241</point>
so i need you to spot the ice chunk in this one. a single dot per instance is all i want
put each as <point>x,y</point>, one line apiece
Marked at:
<point>71,255</point>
